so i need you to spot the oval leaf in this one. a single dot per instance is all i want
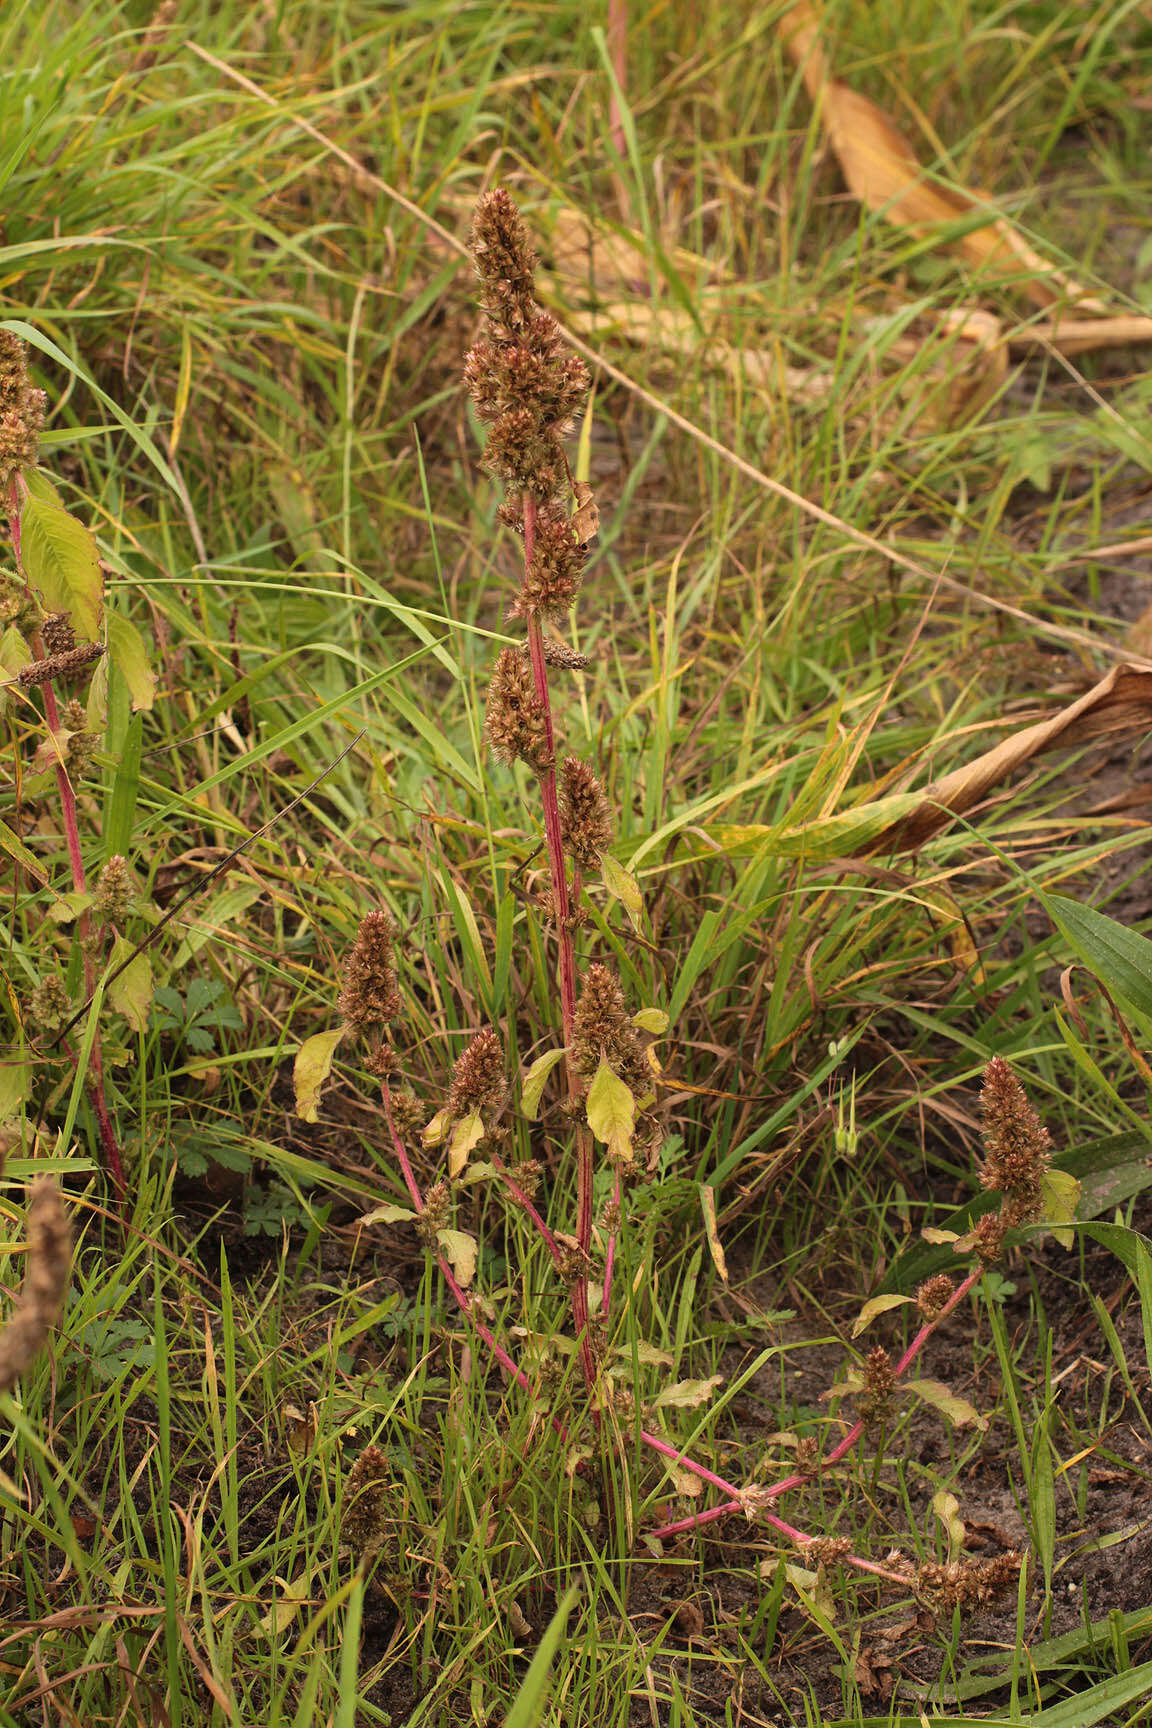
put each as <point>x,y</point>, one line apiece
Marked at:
<point>312,1067</point>
<point>611,1113</point>
<point>387,1215</point>
<point>61,560</point>
<point>1060,1193</point>
<point>532,1086</point>
<point>878,1305</point>
<point>468,1132</point>
<point>460,1252</point>
<point>1120,958</point>
<point>624,887</point>
<point>131,993</point>
<point>432,1133</point>
<point>652,1020</point>
<point>128,654</point>
<point>958,1410</point>
<point>687,1394</point>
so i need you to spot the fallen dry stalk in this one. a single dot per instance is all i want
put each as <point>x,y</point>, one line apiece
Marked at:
<point>41,1298</point>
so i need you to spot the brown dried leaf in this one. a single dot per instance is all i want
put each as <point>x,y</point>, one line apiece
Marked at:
<point>884,173</point>
<point>1121,702</point>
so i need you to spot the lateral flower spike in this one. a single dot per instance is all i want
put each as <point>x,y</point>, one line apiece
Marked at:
<point>22,410</point>
<point>41,1299</point>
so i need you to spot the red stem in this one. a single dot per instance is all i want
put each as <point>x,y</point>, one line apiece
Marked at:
<point>95,1078</point>
<point>798,1478</point>
<point>558,872</point>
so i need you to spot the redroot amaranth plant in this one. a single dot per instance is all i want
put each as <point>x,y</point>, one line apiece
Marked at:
<point>53,611</point>
<point>526,389</point>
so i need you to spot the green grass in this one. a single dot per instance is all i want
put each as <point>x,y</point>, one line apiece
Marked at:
<point>252,349</point>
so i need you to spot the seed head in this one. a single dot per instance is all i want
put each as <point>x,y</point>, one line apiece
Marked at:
<point>602,1028</point>
<point>517,721</point>
<point>364,1506</point>
<point>22,410</point>
<point>371,996</point>
<point>113,899</point>
<point>66,665</point>
<point>585,814</point>
<point>478,1078</point>
<point>57,633</point>
<point>48,1003</point>
<point>1018,1147</point>
<point>990,1233</point>
<point>934,1295</point>
<point>971,1584</point>
<point>437,1205</point>
<point>875,1401</point>
<point>552,579</point>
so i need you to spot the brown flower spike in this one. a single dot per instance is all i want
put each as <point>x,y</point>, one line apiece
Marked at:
<point>585,814</point>
<point>21,410</point>
<point>517,724</point>
<point>1017,1146</point>
<point>478,1079</point>
<point>370,996</point>
<point>41,1298</point>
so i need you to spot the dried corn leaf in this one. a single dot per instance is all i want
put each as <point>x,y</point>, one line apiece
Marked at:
<point>1121,702</point>
<point>884,173</point>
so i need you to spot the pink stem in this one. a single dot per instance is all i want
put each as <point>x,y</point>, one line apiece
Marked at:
<point>462,1300</point>
<point>95,1080</point>
<point>558,872</point>
<point>798,1478</point>
<point>526,1205</point>
<point>618,53</point>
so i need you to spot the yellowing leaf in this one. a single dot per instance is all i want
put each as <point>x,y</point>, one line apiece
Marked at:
<point>878,1305</point>
<point>652,1020</point>
<point>687,1394</point>
<point>468,1132</point>
<point>939,1237</point>
<point>15,1085</point>
<point>62,562</point>
<point>460,1252</point>
<point>947,1509</point>
<point>958,1410</point>
<point>715,1246</point>
<point>131,993</point>
<point>624,887</point>
<point>127,651</point>
<point>310,1070</point>
<point>387,1214</point>
<point>1060,1192</point>
<point>532,1086</point>
<point>432,1133</point>
<point>611,1112</point>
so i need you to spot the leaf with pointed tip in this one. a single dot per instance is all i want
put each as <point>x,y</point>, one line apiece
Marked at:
<point>1060,1194</point>
<point>871,1310</point>
<point>311,1068</point>
<point>958,1410</point>
<point>128,654</point>
<point>532,1086</point>
<point>611,1112</point>
<point>468,1132</point>
<point>652,1020</point>
<point>623,886</point>
<point>61,561</point>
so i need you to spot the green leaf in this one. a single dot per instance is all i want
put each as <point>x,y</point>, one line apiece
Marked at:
<point>15,1085</point>
<point>1120,958</point>
<point>1060,1192</point>
<point>311,1068</point>
<point>624,887</point>
<point>468,1132</point>
<point>127,651</point>
<point>611,1113</point>
<point>958,1410</point>
<point>66,908</point>
<point>871,1310</point>
<point>532,1086</point>
<point>652,1020</point>
<point>131,993</point>
<point>460,1252</point>
<point>61,561</point>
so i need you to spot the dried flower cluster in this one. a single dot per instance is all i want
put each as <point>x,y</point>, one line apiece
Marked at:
<point>1017,1146</point>
<point>585,816</point>
<point>478,1078</point>
<point>22,410</point>
<point>113,899</point>
<point>970,1584</point>
<point>603,1029</point>
<point>517,722</point>
<point>874,1405</point>
<point>934,1295</point>
<point>364,1506</point>
<point>41,1299</point>
<point>370,997</point>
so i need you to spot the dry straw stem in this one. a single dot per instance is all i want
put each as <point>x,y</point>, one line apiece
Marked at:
<point>45,1286</point>
<point>1121,702</point>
